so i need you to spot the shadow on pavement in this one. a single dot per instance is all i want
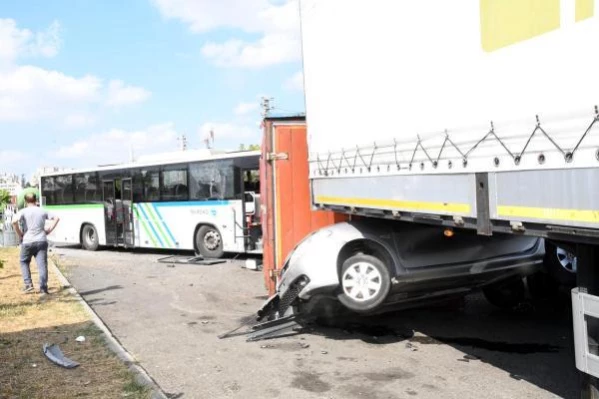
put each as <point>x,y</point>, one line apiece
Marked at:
<point>98,290</point>
<point>533,343</point>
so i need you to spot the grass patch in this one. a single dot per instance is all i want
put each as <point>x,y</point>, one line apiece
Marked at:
<point>27,322</point>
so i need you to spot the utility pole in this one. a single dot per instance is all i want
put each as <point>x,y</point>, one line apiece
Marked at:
<point>266,106</point>
<point>183,140</point>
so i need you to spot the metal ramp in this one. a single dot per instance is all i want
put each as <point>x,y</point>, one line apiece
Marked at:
<point>193,260</point>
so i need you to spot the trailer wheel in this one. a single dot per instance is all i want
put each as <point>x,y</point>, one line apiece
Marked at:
<point>506,294</point>
<point>89,237</point>
<point>209,242</point>
<point>365,283</point>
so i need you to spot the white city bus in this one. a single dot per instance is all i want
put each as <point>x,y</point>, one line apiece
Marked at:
<point>202,201</point>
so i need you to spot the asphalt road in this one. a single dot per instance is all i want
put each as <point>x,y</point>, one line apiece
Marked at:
<point>169,319</point>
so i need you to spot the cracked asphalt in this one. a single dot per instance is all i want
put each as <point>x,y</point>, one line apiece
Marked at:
<point>169,318</point>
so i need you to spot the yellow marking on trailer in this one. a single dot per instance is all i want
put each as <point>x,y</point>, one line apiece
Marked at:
<point>573,215</point>
<point>584,9</point>
<point>506,22</point>
<point>395,204</point>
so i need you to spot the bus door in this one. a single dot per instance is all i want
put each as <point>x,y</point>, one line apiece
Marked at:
<point>110,211</point>
<point>117,195</point>
<point>127,209</point>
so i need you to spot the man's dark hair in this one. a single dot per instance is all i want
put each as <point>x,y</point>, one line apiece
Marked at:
<point>30,198</point>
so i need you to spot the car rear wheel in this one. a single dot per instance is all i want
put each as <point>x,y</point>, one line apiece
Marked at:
<point>365,283</point>
<point>560,264</point>
<point>506,294</point>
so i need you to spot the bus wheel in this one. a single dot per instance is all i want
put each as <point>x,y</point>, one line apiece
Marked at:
<point>89,237</point>
<point>209,242</point>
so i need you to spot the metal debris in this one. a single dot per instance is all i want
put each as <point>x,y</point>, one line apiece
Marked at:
<point>55,355</point>
<point>186,260</point>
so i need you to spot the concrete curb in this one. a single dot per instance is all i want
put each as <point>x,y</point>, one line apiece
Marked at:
<point>141,375</point>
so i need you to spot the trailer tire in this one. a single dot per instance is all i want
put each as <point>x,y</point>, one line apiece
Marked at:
<point>89,237</point>
<point>506,294</point>
<point>209,242</point>
<point>365,283</point>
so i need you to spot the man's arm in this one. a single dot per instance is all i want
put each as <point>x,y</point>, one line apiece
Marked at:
<point>55,220</point>
<point>17,227</point>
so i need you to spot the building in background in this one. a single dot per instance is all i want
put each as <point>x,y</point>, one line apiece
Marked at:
<point>12,184</point>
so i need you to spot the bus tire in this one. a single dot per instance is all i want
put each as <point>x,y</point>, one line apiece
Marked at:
<point>89,237</point>
<point>209,242</point>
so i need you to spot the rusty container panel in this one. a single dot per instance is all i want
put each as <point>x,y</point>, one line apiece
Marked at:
<point>287,217</point>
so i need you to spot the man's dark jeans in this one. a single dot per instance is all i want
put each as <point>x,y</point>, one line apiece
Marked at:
<point>39,250</point>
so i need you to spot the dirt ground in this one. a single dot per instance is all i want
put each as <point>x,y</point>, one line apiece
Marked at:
<point>169,318</point>
<point>29,321</point>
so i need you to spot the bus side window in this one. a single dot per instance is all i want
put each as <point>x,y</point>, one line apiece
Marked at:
<point>151,185</point>
<point>48,189</point>
<point>138,186</point>
<point>174,185</point>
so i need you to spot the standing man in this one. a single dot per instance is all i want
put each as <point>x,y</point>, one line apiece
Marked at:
<point>34,241</point>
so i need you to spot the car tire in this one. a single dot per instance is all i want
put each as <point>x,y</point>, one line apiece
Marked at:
<point>209,242</point>
<point>89,237</point>
<point>365,283</point>
<point>506,294</point>
<point>560,264</point>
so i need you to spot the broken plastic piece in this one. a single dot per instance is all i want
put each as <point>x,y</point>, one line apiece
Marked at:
<point>55,355</point>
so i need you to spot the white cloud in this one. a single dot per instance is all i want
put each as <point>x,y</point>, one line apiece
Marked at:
<point>269,50</point>
<point>77,121</point>
<point>120,94</point>
<point>15,42</point>
<point>296,82</point>
<point>11,156</point>
<point>30,93</point>
<point>245,108</point>
<point>115,145</point>
<point>276,23</point>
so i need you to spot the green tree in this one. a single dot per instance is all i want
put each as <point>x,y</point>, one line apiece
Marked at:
<point>251,147</point>
<point>4,198</point>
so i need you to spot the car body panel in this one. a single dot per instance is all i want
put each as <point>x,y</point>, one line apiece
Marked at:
<point>423,259</point>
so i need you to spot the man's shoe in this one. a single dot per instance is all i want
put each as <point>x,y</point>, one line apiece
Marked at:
<point>27,289</point>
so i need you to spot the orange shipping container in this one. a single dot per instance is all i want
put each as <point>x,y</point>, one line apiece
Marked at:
<point>287,216</point>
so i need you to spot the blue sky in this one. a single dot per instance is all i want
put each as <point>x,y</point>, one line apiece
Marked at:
<point>83,82</point>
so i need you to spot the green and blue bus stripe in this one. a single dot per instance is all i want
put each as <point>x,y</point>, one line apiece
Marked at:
<point>143,211</point>
<point>158,222</point>
<point>144,223</point>
<point>164,224</point>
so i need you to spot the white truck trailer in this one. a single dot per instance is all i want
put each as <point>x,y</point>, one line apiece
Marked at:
<point>465,115</point>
